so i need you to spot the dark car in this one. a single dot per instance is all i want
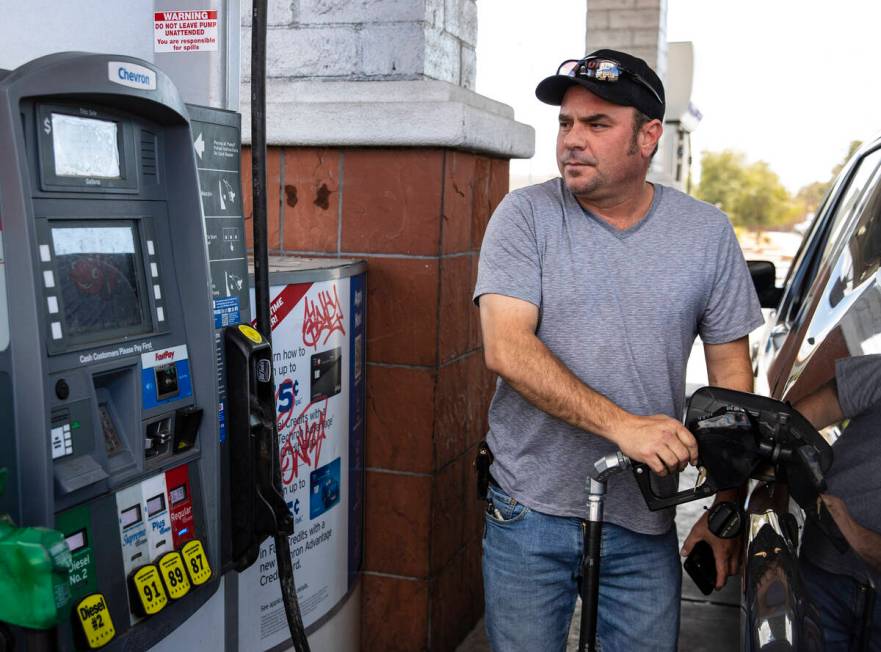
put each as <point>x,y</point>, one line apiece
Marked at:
<point>825,320</point>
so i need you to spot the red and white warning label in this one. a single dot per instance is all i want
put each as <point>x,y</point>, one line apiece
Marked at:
<point>185,31</point>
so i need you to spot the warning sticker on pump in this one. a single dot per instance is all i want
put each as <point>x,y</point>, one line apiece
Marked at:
<point>94,618</point>
<point>185,31</point>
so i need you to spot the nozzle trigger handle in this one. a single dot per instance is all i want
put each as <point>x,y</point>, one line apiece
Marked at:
<point>642,473</point>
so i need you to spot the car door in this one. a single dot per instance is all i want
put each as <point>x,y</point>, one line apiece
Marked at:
<point>845,319</point>
<point>779,346</point>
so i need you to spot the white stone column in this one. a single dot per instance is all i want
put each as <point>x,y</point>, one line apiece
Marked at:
<point>378,72</point>
<point>635,26</point>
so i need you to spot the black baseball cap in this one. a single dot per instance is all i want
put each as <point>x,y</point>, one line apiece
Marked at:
<point>630,89</point>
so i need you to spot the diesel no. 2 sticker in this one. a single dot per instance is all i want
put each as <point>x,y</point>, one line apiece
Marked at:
<point>94,623</point>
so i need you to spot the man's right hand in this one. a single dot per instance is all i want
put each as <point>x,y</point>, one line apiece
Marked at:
<point>660,442</point>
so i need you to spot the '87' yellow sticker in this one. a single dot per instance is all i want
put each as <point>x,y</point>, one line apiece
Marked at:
<point>196,562</point>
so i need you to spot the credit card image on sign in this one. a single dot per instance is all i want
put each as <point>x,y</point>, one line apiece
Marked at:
<point>156,514</point>
<point>326,377</point>
<point>324,485</point>
<point>132,528</point>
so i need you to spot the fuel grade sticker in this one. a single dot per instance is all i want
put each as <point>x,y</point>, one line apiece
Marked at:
<point>196,562</point>
<point>149,595</point>
<point>174,575</point>
<point>93,616</point>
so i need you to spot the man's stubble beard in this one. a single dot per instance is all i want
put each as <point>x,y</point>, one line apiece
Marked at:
<point>585,188</point>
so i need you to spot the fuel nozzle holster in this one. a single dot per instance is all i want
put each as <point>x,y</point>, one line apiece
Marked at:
<point>482,462</point>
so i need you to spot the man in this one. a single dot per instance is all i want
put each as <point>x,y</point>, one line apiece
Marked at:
<point>591,290</point>
<point>843,586</point>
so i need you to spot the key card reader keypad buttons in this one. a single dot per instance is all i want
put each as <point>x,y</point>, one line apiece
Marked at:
<point>92,622</point>
<point>148,597</point>
<point>196,562</point>
<point>174,575</point>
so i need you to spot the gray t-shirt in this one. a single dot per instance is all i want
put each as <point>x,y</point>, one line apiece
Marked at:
<point>854,474</point>
<point>621,310</point>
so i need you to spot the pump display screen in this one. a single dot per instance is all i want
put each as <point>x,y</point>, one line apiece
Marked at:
<point>155,505</point>
<point>178,494</point>
<point>76,540</point>
<point>100,280</point>
<point>85,147</point>
<point>130,516</point>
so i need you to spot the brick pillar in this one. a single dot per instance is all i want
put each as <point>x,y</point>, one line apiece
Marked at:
<point>417,215</point>
<point>379,149</point>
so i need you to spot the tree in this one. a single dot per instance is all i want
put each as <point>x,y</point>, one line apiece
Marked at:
<point>751,195</point>
<point>722,178</point>
<point>812,194</point>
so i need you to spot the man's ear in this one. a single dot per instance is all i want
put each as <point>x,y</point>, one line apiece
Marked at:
<point>649,136</point>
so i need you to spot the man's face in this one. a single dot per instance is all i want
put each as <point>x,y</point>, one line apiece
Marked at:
<point>596,153</point>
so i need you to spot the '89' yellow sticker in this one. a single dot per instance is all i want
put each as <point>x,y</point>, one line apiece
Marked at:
<point>174,575</point>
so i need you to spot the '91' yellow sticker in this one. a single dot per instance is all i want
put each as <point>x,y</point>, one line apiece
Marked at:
<point>94,619</point>
<point>196,562</point>
<point>149,594</point>
<point>174,575</point>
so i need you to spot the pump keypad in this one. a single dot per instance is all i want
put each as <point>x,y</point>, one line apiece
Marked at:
<point>148,596</point>
<point>174,575</point>
<point>196,562</point>
<point>92,621</point>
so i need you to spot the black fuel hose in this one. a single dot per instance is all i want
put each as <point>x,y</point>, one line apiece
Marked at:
<point>261,291</point>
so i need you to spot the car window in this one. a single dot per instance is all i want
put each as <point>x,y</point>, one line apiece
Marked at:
<point>823,239</point>
<point>861,258</point>
<point>846,318</point>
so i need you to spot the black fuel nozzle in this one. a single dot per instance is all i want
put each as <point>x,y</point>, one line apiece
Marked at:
<point>727,456</point>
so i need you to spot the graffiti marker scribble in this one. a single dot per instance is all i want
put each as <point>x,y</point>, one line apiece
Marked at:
<point>322,317</point>
<point>308,435</point>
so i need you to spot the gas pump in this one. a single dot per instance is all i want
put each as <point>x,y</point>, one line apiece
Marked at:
<point>111,311</point>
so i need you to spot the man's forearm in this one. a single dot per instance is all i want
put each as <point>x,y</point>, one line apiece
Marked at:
<point>542,379</point>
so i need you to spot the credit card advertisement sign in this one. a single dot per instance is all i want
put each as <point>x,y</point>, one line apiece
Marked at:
<point>312,351</point>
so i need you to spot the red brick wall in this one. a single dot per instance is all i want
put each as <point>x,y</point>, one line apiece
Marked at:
<point>417,216</point>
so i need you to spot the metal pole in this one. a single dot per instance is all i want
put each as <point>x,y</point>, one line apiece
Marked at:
<point>593,529</point>
<point>258,166</point>
<point>590,565</point>
<point>261,294</point>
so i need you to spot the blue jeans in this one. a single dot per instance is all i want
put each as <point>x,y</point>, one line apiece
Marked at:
<point>842,605</point>
<point>531,566</point>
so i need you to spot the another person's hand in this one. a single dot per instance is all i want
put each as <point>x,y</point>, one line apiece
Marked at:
<point>660,442</point>
<point>725,551</point>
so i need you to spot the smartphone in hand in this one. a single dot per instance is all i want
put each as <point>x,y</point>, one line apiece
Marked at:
<point>701,567</point>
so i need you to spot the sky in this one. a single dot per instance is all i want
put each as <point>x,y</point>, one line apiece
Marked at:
<point>789,82</point>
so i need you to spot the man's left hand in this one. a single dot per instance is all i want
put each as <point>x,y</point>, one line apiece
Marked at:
<point>725,551</point>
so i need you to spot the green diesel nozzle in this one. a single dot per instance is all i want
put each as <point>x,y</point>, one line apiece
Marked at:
<point>34,567</point>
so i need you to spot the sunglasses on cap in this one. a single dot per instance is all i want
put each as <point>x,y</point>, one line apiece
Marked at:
<point>604,70</point>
